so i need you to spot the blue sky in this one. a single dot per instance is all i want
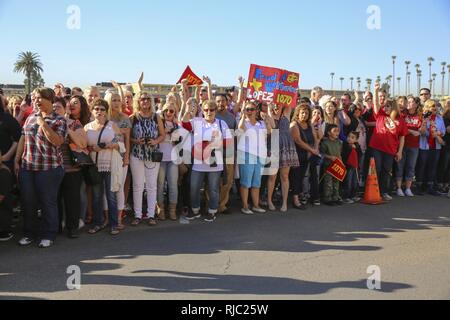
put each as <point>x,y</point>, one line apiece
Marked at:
<point>221,39</point>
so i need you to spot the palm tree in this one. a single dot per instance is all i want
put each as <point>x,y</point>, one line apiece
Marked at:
<point>332,80</point>
<point>433,81</point>
<point>399,87</point>
<point>27,63</point>
<point>419,79</point>
<point>342,79</point>
<point>407,63</point>
<point>358,81</point>
<point>430,62</point>
<point>443,64</point>
<point>369,84</point>
<point>393,75</point>
<point>448,67</point>
<point>351,83</point>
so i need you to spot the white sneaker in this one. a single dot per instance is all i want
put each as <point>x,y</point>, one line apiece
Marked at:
<point>409,193</point>
<point>81,224</point>
<point>45,243</point>
<point>258,210</point>
<point>387,197</point>
<point>400,193</point>
<point>348,201</point>
<point>247,211</point>
<point>25,241</point>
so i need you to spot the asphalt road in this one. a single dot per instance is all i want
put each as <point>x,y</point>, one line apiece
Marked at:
<point>322,253</point>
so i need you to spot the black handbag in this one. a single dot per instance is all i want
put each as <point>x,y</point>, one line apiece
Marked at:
<point>157,156</point>
<point>80,158</point>
<point>91,174</point>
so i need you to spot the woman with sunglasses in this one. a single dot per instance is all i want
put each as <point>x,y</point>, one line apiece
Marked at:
<point>40,162</point>
<point>103,137</point>
<point>252,152</point>
<point>69,198</point>
<point>168,169</point>
<point>431,142</point>
<point>123,122</point>
<point>388,138</point>
<point>287,155</point>
<point>146,134</point>
<point>209,137</point>
<point>406,166</point>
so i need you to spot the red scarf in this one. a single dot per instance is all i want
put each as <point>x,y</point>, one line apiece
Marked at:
<point>431,139</point>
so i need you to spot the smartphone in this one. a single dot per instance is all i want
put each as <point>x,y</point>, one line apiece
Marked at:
<point>28,99</point>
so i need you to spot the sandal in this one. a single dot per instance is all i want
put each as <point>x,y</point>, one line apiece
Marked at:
<point>136,222</point>
<point>120,227</point>
<point>95,229</point>
<point>114,232</point>
<point>152,222</point>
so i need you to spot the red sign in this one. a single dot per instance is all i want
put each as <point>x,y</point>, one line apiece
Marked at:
<point>191,77</point>
<point>337,170</point>
<point>273,85</point>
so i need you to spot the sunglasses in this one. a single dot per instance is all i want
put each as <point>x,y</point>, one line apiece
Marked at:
<point>145,99</point>
<point>100,109</point>
<point>210,110</point>
<point>170,111</point>
<point>424,94</point>
<point>250,109</point>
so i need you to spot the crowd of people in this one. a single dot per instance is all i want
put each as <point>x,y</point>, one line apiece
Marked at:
<point>71,158</point>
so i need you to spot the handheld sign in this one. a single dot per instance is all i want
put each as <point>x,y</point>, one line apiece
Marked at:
<point>273,85</point>
<point>337,170</point>
<point>192,78</point>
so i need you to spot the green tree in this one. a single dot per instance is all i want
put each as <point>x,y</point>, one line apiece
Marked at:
<point>28,63</point>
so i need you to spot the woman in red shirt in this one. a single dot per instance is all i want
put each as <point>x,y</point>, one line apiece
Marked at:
<point>388,138</point>
<point>406,166</point>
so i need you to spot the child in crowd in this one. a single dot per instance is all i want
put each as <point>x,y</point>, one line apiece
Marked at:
<point>351,155</point>
<point>331,149</point>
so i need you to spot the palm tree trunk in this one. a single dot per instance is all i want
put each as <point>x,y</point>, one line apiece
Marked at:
<point>29,82</point>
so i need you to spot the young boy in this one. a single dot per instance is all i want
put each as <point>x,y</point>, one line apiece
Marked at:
<point>6,183</point>
<point>351,155</point>
<point>331,149</point>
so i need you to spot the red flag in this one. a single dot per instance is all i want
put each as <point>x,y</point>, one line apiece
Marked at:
<point>338,170</point>
<point>193,80</point>
<point>273,85</point>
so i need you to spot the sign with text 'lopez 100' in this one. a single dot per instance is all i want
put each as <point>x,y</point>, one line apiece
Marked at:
<point>273,85</point>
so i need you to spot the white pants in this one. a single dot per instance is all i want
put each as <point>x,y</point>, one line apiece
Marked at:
<point>144,174</point>
<point>120,194</point>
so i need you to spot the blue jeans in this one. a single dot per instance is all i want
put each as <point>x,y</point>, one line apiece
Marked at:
<point>39,189</point>
<point>197,179</point>
<point>384,163</point>
<point>111,198</point>
<point>350,183</point>
<point>427,167</point>
<point>168,170</point>
<point>407,166</point>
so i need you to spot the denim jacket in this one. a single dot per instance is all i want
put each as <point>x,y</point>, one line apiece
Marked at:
<point>440,126</point>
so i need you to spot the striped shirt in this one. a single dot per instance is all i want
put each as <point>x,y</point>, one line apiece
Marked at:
<point>39,153</point>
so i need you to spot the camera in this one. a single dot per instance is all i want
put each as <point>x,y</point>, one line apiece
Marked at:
<point>428,114</point>
<point>213,155</point>
<point>102,145</point>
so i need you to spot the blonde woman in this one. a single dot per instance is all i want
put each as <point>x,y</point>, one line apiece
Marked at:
<point>146,134</point>
<point>168,169</point>
<point>123,122</point>
<point>432,132</point>
<point>91,94</point>
<point>14,104</point>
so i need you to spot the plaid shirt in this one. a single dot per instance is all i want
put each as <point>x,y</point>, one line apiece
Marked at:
<point>39,153</point>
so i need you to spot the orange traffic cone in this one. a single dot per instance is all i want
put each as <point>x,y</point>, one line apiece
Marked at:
<point>372,194</point>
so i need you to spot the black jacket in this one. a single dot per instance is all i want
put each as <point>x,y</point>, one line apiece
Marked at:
<point>347,149</point>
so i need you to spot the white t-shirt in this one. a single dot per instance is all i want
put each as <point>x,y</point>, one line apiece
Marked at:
<point>254,139</point>
<point>214,133</point>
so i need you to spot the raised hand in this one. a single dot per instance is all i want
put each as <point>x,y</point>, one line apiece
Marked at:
<point>207,80</point>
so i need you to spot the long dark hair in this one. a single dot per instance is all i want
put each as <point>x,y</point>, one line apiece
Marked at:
<point>85,113</point>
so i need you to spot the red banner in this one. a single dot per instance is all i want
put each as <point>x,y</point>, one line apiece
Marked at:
<point>191,77</point>
<point>273,85</point>
<point>338,170</point>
